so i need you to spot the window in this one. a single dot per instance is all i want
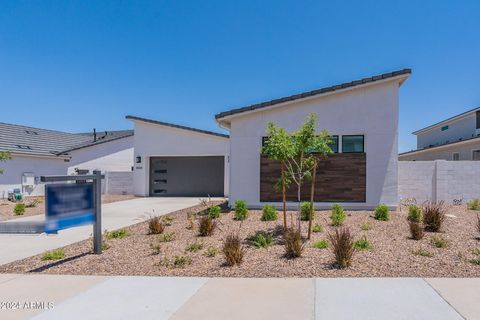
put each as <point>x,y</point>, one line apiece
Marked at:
<point>478,119</point>
<point>476,155</point>
<point>455,156</point>
<point>334,143</point>
<point>444,128</point>
<point>353,144</point>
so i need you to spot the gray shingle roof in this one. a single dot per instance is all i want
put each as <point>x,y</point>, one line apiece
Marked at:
<point>177,126</point>
<point>314,92</point>
<point>36,141</point>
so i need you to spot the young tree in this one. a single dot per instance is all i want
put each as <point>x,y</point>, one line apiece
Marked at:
<point>4,156</point>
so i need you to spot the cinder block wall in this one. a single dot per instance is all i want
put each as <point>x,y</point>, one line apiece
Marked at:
<point>438,180</point>
<point>118,182</point>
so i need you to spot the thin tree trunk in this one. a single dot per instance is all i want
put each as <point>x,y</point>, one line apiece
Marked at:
<point>284,198</point>
<point>299,205</point>
<point>312,193</point>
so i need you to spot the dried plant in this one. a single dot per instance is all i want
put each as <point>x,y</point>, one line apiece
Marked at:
<point>342,246</point>
<point>233,249</point>
<point>155,225</point>
<point>478,223</point>
<point>293,243</point>
<point>416,230</point>
<point>206,226</point>
<point>191,217</point>
<point>433,215</point>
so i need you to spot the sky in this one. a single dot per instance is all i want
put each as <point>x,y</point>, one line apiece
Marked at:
<point>78,65</point>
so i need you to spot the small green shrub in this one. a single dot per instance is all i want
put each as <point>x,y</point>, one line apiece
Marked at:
<point>167,237</point>
<point>365,226</point>
<point>293,243</point>
<point>362,244</point>
<point>338,215</point>
<point>214,212</point>
<point>19,209</point>
<point>433,215</point>
<point>53,255</point>
<point>342,246</point>
<point>306,210</point>
<point>320,244</point>
<point>156,247</point>
<point>116,234</point>
<point>167,220</point>
<point>241,212</point>
<point>416,230</point>
<point>414,214</point>
<point>206,226</point>
<point>475,261</point>
<point>439,241</point>
<point>261,240</point>
<point>476,251</point>
<point>233,249</point>
<point>317,228</point>
<point>211,252</point>
<point>269,213</point>
<point>423,253</point>
<point>473,204</point>
<point>181,261</point>
<point>194,246</point>
<point>382,212</point>
<point>155,225</point>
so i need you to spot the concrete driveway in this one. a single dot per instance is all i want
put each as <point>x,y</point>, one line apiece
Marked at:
<point>114,215</point>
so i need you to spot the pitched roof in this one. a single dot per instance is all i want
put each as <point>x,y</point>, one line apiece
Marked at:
<point>460,141</point>
<point>314,92</point>
<point>35,141</point>
<point>177,126</point>
<point>458,116</point>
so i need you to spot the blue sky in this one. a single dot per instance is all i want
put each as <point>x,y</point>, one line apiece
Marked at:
<point>76,65</point>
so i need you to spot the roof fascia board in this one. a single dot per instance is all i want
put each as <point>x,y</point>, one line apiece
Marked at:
<point>444,122</point>
<point>440,147</point>
<point>34,155</point>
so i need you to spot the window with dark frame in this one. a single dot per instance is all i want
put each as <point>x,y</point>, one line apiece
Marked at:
<point>353,144</point>
<point>456,156</point>
<point>478,119</point>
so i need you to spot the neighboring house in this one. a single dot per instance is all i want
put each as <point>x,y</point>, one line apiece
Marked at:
<point>173,160</point>
<point>362,116</point>
<point>36,152</point>
<point>457,138</point>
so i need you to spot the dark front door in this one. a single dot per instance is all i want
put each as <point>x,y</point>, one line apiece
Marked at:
<point>186,176</point>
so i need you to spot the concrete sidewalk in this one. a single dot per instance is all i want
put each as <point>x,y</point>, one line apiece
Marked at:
<point>114,215</point>
<point>87,297</point>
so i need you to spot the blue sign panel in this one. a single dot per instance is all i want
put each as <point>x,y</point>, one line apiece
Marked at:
<point>68,205</point>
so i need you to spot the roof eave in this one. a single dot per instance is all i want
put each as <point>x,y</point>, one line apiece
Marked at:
<point>449,120</point>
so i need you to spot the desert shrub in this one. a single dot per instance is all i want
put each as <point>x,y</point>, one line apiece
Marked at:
<point>167,237</point>
<point>53,255</point>
<point>306,209</point>
<point>105,245</point>
<point>194,246</point>
<point>416,230</point>
<point>478,223</point>
<point>206,226</point>
<point>475,261</point>
<point>320,244</point>
<point>439,241</point>
<point>382,212</point>
<point>241,212</point>
<point>191,220</point>
<point>423,253</point>
<point>342,246</point>
<point>214,212</point>
<point>32,204</point>
<point>293,243</point>
<point>211,252</point>
<point>116,234</point>
<point>181,261</point>
<point>362,244</point>
<point>261,240</point>
<point>317,227</point>
<point>269,213</point>
<point>476,251</point>
<point>233,249</point>
<point>365,226</point>
<point>167,220</point>
<point>433,215</point>
<point>156,247</point>
<point>338,215</point>
<point>473,204</point>
<point>155,225</point>
<point>414,214</point>
<point>19,209</point>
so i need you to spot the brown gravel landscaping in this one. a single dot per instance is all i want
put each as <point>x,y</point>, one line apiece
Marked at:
<point>6,207</point>
<point>391,255</point>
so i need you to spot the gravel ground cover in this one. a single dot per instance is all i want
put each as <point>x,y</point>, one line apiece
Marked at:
<point>6,207</point>
<point>392,253</point>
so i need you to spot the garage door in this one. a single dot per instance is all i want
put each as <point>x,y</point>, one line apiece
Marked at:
<point>186,176</point>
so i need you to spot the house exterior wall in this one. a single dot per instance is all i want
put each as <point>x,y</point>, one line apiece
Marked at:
<point>370,111</point>
<point>116,155</point>
<point>444,153</point>
<point>457,129</point>
<point>151,140</point>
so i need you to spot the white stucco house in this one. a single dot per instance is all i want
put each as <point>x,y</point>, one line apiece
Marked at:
<point>174,160</point>
<point>362,116</point>
<point>38,152</point>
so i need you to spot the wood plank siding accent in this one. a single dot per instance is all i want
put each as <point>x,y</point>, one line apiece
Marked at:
<point>340,178</point>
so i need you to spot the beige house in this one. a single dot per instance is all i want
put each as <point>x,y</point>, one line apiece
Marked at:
<point>456,138</point>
